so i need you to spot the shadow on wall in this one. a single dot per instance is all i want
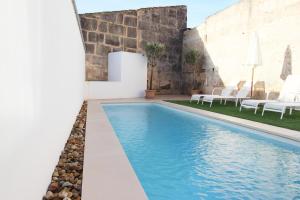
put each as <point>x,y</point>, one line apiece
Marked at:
<point>207,75</point>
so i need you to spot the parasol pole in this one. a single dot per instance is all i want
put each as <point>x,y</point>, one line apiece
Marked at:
<point>251,93</point>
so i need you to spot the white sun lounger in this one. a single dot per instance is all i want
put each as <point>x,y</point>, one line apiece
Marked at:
<point>280,107</point>
<point>225,92</point>
<point>287,94</point>
<point>241,94</point>
<point>254,103</point>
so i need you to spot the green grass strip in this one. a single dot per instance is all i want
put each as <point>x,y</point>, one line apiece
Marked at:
<point>289,121</point>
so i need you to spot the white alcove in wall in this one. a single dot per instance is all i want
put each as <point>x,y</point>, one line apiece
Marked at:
<point>127,78</point>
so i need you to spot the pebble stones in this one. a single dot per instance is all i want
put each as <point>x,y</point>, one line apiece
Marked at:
<point>67,177</point>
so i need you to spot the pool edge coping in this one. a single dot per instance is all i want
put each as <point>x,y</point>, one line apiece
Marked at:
<point>266,128</point>
<point>92,174</point>
<point>107,172</point>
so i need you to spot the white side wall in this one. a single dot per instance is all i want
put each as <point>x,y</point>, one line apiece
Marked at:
<point>41,91</point>
<point>131,71</point>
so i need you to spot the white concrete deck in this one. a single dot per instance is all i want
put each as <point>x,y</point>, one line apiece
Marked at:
<point>107,172</point>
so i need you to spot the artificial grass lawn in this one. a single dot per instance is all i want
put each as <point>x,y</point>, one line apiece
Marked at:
<point>272,118</point>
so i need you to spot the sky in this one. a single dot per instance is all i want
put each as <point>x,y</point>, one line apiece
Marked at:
<point>198,10</point>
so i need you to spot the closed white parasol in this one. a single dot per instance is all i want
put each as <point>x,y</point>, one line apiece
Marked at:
<point>254,55</point>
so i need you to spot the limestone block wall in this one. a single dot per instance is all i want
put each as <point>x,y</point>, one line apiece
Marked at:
<point>104,33</point>
<point>129,31</point>
<point>224,38</point>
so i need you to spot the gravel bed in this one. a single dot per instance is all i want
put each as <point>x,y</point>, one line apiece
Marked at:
<point>66,179</point>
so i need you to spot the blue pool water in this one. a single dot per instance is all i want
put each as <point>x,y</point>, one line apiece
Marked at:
<point>179,155</point>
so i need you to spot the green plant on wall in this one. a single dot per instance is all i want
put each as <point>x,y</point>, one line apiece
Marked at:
<point>191,58</point>
<point>153,52</point>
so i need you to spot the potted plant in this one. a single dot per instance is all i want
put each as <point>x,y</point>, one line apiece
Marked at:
<point>191,58</point>
<point>153,52</point>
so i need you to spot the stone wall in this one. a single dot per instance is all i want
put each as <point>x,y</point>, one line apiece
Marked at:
<point>107,32</point>
<point>224,39</point>
<point>130,30</point>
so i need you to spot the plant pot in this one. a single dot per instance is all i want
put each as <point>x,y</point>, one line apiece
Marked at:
<point>150,94</point>
<point>192,92</point>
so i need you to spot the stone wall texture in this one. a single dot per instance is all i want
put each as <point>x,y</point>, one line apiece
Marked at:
<point>223,39</point>
<point>130,30</point>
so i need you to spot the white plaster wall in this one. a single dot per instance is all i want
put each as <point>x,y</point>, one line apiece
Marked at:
<point>226,34</point>
<point>131,71</point>
<point>41,91</point>
<point>115,66</point>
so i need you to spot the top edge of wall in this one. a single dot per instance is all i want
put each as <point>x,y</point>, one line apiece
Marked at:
<point>78,22</point>
<point>217,13</point>
<point>225,9</point>
<point>104,12</point>
<point>135,10</point>
<point>177,6</point>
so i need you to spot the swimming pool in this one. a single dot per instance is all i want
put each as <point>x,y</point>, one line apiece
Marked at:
<point>180,155</point>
